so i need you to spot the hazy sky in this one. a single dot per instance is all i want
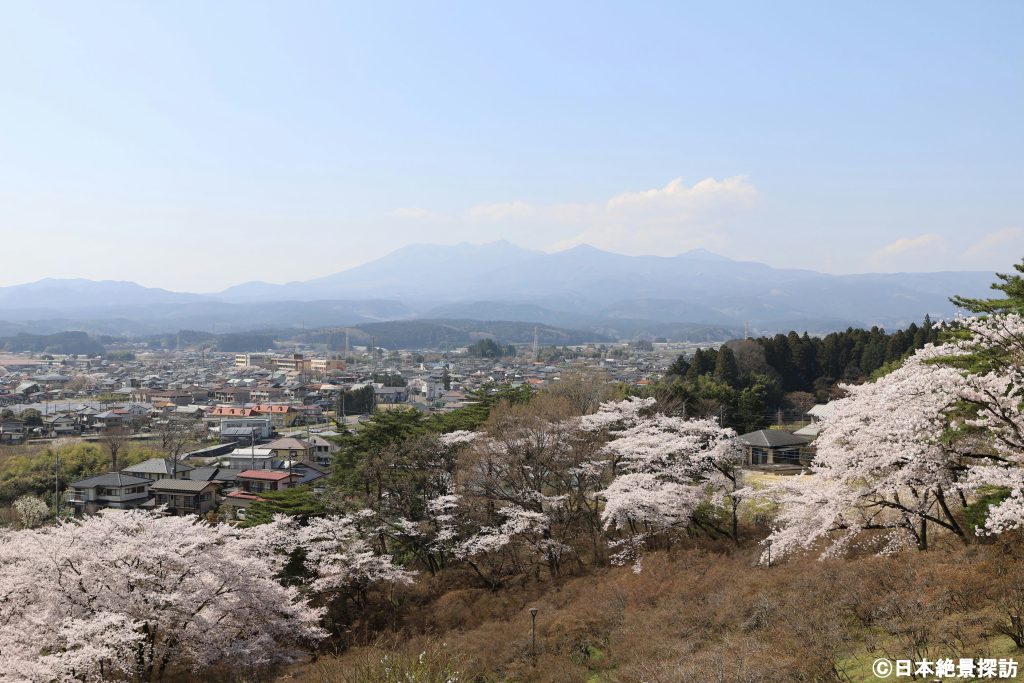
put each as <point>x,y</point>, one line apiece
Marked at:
<point>194,145</point>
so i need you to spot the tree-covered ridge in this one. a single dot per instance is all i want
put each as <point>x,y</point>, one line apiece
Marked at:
<point>750,383</point>
<point>805,363</point>
<point>60,343</point>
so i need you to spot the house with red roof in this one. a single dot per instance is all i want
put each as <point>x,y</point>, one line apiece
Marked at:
<point>261,481</point>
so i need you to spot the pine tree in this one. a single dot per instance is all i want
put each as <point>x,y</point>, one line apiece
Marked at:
<point>1012,286</point>
<point>679,367</point>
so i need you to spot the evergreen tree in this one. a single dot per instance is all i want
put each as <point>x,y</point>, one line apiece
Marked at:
<point>297,502</point>
<point>702,363</point>
<point>679,367</point>
<point>1011,285</point>
<point>727,371</point>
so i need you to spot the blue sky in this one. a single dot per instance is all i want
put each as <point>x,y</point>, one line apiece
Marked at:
<point>194,145</point>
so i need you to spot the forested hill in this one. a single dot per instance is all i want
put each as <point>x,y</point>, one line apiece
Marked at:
<point>806,363</point>
<point>750,383</point>
<point>61,343</point>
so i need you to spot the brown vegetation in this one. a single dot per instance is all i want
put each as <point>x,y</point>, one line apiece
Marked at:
<point>701,613</point>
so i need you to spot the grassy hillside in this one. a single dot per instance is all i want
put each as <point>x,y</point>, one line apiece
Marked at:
<point>702,613</point>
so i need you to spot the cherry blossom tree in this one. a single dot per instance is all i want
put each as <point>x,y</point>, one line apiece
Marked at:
<point>532,461</point>
<point>993,422</point>
<point>31,510</point>
<point>881,465</point>
<point>665,470</point>
<point>336,552</point>
<point>135,594</point>
<point>911,450</point>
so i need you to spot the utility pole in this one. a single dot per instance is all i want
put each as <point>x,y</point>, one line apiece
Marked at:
<point>533,633</point>
<point>56,486</point>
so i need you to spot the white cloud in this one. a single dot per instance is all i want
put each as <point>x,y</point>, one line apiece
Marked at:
<point>706,193</point>
<point>926,242</point>
<point>663,220</point>
<point>997,243</point>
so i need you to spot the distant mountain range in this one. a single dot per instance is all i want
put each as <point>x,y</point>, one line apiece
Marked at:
<point>695,294</point>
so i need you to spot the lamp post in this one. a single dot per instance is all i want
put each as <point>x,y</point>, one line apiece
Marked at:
<point>533,632</point>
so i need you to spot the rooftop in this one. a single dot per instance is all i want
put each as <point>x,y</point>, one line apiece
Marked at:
<point>180,485</point>
<point>772,438</point>
<point>263,474</point>
<point>109,479</point>
<point>156,466</point>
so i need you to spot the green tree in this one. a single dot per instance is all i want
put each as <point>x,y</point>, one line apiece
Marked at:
<point>1011,285</point>
<point>486,348</point>
<point>702,363</point>
<point>679,367</point>
<point>751,408</point>
<point>299,502</point>
<point>727,371</point>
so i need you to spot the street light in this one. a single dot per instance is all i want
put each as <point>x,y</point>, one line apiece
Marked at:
<point>533,630</point>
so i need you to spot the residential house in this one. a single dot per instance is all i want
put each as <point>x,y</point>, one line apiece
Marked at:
<point>184,496</point>
<point>261,481</point>
<point>27,389</point>
<point>290,448</point>
<point>108,420</point>
<point>61,425</point>
<point>112,490</point>
<point>817,413</point>
<point>12,431</point>
<point>390,394</point>
<point>323,449</point>
<point>226,476</point>
<point>233,395</point>
<point>434,384</point>
<point>776,447</point>
<point>156,469</point>
<point>248,458</point>
<point>281,415</point>
<point>266,393</point>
